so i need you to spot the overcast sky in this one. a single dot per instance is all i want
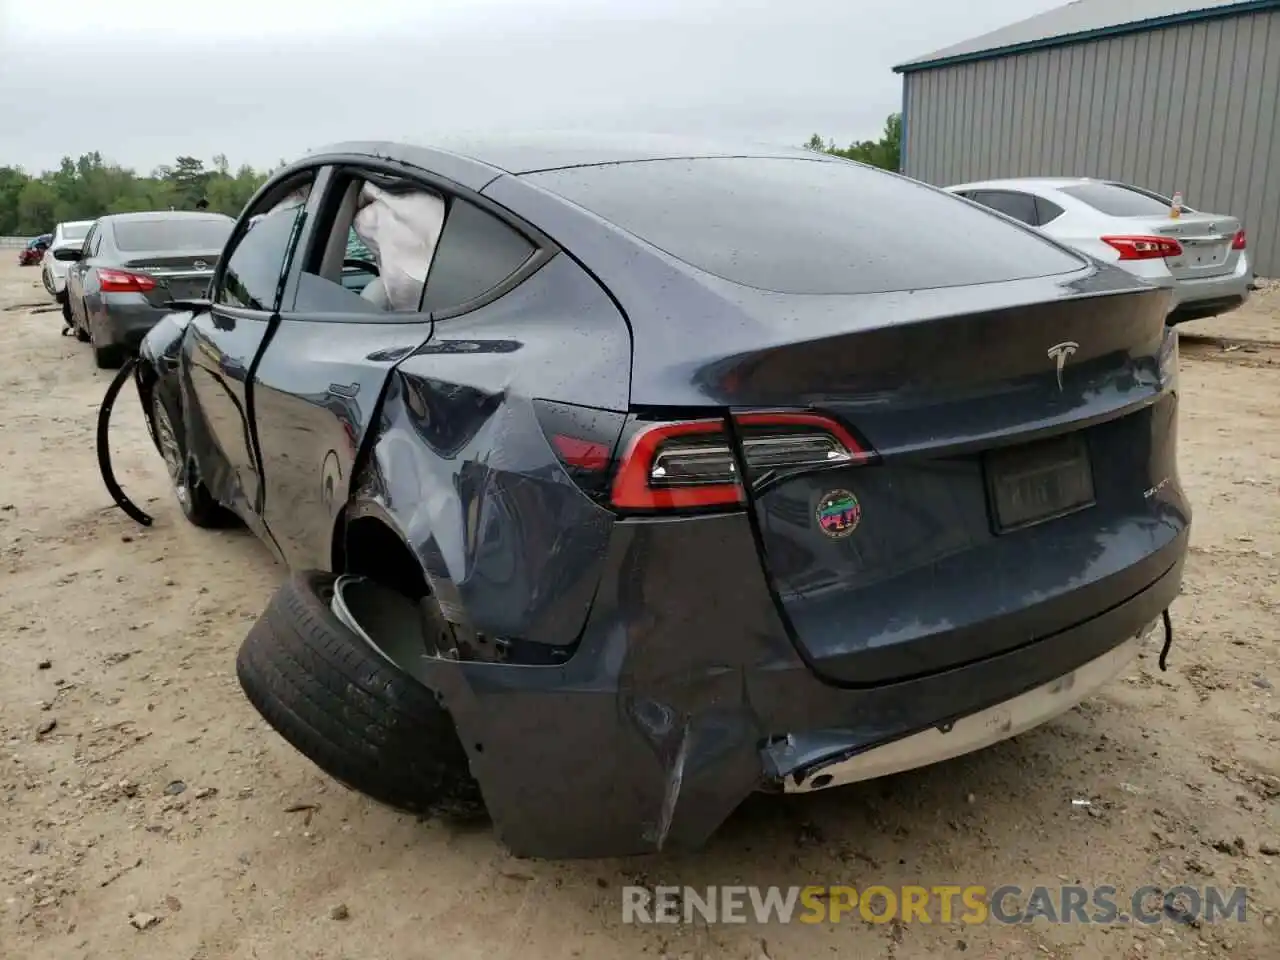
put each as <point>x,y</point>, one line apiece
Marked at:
<point>264,80</point>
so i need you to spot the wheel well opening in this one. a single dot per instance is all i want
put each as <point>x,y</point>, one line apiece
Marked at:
<point>372,549</point>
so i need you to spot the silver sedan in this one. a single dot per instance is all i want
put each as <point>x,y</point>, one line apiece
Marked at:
<point>1200,256</point>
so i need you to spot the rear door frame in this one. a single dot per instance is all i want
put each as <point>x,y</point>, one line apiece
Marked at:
<point>382,331</point>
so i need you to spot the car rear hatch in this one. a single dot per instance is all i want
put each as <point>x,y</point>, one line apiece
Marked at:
<point>182,276</point>
<point>1206,243</point>
<point>951,435</point>
<point>1012,475</point>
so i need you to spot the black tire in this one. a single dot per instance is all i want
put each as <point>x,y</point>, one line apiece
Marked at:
<point>351,712</point>
<point>194,499</point>
<point>110,357</point>
<point>81,332</point>
<point>66,311</point>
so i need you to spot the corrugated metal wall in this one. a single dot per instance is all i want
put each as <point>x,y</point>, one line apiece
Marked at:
<point>1191,108</point>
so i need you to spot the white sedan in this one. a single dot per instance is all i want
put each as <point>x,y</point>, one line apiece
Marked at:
<point>53,272</point>
<point>1200,256</point>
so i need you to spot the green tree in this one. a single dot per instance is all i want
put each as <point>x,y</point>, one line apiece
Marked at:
<point>38,203</point>
<point>190,179</point>
<point>90,186</point>
<point>885,153</point>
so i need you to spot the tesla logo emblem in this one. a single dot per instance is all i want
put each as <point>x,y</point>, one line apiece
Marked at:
<point>1060,353</point>
<point>199,264</point>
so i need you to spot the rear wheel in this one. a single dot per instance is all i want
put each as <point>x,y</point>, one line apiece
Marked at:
<point>351,711</point>
<point>110,357</point>
<point>80,330</point>
<point>194,499</point>
<point>66,311</point>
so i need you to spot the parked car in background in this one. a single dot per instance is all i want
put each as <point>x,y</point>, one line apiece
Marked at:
<point>609,500</point>
<point>130,266</point>
<point>53,271</point>
<point>1200,256</point>
<point>33,252</point>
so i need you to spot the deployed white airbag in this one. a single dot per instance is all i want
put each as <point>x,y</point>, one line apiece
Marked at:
<point>401,230</point>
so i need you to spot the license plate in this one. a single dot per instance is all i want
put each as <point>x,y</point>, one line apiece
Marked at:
<point>1039,481</point>
<point>186,289</point>
<point>1206,254</point>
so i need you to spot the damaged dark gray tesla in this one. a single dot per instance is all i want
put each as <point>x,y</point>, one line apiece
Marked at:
<point>622,481</point>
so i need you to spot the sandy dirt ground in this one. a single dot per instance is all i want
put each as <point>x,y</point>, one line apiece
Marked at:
<point>139,788</point>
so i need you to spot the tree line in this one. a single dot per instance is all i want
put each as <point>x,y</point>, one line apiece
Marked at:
<point>885,153</point>
<point>90,187</point>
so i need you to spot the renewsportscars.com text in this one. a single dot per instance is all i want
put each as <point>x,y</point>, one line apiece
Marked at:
<point>943,904</point>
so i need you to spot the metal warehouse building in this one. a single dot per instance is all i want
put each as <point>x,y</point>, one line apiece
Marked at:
<point>1165,94</point>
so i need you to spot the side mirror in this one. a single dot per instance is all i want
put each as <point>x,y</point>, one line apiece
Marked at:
<point>69,254</point>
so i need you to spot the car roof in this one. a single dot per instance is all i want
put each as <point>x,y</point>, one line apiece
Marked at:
<point>143,216</point>
<point>470,157</point>
<point>1026,183</point>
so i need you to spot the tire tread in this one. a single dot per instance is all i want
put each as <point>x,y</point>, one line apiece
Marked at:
<point>357,717</point>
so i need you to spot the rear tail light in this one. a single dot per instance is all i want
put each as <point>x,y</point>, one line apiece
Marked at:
<point>672,465</point>
<point>1237,242</point>
<point>122,281</point>
<point>668,465</point>
<point>1144,248</point>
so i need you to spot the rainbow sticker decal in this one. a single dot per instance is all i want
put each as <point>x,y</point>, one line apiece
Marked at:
<point>838,514</point>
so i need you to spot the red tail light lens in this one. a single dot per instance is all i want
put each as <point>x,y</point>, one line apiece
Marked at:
<point>669,466</point>
<point>1144,248</point>
<point>673,465</point>
<point>122,281</point>
<point>1237,242</point>
<point>690,464</point>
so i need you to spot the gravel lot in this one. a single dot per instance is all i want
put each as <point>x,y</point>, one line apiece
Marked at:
<point>139,789</point>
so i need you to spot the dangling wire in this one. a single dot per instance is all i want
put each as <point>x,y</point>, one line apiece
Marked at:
<point>104,448</point>
<point>1168,640</point>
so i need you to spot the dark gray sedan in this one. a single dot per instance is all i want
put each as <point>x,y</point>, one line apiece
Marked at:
<point>130,266</point>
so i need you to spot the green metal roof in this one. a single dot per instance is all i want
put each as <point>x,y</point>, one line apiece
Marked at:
<point>1080,21</point>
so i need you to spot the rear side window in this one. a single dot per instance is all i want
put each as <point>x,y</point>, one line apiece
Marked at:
<point>1020,206</point>
<point>185,233</point>
<point>1047,211</point>
<point>1116,200</point>
<point>807,226</point>
<point>477,251</point>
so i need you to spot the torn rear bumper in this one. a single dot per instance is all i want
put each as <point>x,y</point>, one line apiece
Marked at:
<point>973,732</point>
<point>677,705</point>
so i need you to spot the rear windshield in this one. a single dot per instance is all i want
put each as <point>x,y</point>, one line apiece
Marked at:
<point>808,226</point>
<point>75,231</point>
<point>186,233</point>
<point>1117,200</point>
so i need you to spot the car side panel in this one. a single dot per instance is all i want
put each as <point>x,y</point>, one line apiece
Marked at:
<point>509,544</point>
<point>315,392</point>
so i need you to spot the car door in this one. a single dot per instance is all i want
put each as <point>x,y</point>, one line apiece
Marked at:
<point>224,340</point>
<point>324,368</point>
